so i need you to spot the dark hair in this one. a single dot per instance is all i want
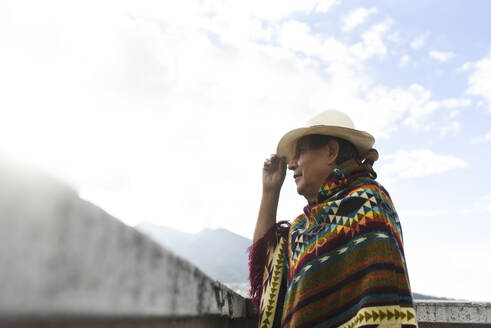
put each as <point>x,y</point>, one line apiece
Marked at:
<point>346,149</point>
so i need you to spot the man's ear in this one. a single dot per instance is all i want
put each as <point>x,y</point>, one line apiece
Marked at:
<point>333,146</point>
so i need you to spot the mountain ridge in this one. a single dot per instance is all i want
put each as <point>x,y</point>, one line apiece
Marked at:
<point>220,253</point>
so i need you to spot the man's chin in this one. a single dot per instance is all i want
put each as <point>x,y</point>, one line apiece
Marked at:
<point>301,191</point>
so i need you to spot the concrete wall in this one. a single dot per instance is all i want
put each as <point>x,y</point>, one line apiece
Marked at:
<point>61,256</point>
<point>459,313</point>
<point>66,263</point>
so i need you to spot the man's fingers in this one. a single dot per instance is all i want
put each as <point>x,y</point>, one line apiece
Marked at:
<point>271,163</point>
<point>274,163</point>
<point>268,163</point>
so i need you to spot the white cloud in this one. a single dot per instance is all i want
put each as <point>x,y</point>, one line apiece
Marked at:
<point>442,56</point>
<point>324,5</point>
<point>418,116</point>
<point>420,105</point>
<point>420,40</point>
<point>394,37</point>
<point>404,60</point>
<point>233,11</point>
<point>298,37</point>
<point>483,138</point>
<point>452,103</point>
<point>454,128</point>
<point>419,163</point>
<point>483,204</point>
<point>453,114</point>
<point>479,81</point>
<point>356,18</point>
<point>465,67</point>
<point>350,87</point>
<point>373,41</point>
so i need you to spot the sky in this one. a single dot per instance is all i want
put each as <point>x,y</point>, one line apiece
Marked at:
<point>164,111</point>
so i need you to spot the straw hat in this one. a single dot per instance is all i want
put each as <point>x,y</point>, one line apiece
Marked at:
<point>331,122</point>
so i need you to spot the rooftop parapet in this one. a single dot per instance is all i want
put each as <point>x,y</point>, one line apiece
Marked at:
<point>63,257</point>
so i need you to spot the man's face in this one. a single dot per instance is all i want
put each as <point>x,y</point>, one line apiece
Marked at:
<point>311,167</point>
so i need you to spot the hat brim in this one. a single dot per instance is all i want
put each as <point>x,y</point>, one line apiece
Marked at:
<point>363,141</point>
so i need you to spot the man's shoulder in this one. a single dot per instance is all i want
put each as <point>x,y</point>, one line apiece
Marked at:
<point>298,220</point>
<point>369,196</point>
<point>366,188</point>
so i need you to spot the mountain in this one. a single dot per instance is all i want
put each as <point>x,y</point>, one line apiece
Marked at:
<point>220,253</point>
<point>429,297</point>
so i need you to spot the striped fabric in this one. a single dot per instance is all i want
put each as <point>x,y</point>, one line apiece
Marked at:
<point>343,261</point>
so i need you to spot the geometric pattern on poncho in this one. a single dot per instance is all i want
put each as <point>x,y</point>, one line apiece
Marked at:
<point>272,280</point>
<point>385,316</point>
<point>338,220</point>
<point>337,252</point>
<point>344,259</point>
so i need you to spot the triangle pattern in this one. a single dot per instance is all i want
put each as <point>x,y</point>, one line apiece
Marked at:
<point>392,315</point>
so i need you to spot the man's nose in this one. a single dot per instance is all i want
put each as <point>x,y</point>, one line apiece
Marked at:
<point>292,164</point>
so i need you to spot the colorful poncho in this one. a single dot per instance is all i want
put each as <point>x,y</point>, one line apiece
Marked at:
<point>340,264</point>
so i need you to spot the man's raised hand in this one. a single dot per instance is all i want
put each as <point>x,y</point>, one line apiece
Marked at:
<point>274,171</point>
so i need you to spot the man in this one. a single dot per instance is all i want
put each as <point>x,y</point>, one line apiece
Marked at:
<point>341,262</point>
